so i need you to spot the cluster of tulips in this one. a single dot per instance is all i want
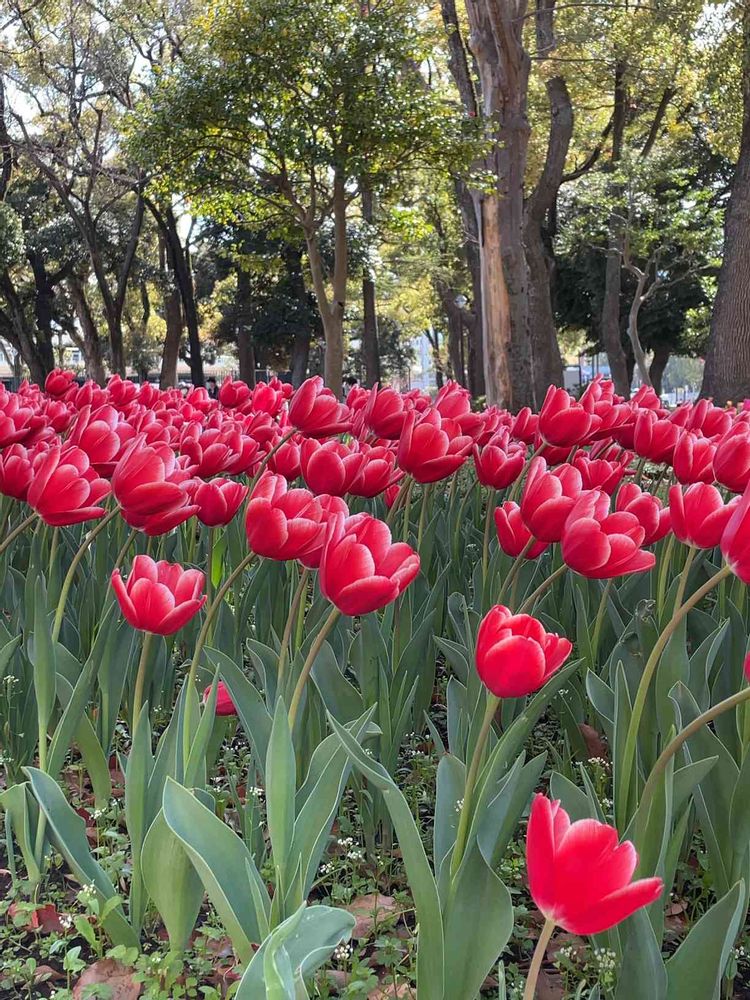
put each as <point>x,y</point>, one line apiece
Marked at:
<point>259,528</point>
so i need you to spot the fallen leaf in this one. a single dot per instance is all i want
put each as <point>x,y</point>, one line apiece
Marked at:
<point>595,744</point>
<point>46,974</point>
<point>115,975</point>
<point>391,991</point>
<point>368,911</point>
<point>549,986</point>
<point>49,919</point>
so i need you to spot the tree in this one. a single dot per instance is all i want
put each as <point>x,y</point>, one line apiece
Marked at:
<point>298,120</point>
<point>727,372</point>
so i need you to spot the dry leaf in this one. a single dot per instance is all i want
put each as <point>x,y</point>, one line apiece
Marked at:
<point>391,992</point>
<point>115,975</point>
<point>595,744</point>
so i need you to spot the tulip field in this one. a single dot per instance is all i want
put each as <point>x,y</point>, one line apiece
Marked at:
<point>390,697</point>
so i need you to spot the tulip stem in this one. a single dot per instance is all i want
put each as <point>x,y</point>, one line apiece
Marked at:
<point>299,688</point>
<point>125,546</point>
<point>70,575</point>
<point>267,458</point>
<point>211,614</point>
<point>528,605</point>
<point>290,620</point>
<point>22,526</point>
<point>407,509</point>
<point>515,569</point>
<point>536,962</point>
<point>426,493</point>
<point>628,755</point>
<point>487,529</point>
<point>471,779</point>
<point>661,584</point>
<point>676,743</point>
<point>398,502</point>
<point>682,585</point>
<point>210,566</point>
<point>599,621</point>
<point>140,677</point>
<point>461,509</point>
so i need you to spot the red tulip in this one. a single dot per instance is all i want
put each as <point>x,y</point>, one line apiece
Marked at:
<point>330,466</point>
<point>579,875</point>
<point>286,461</point>
<point>377,473</point>
<point>599,474</point>
<point>331,506</point>
<point>699,515</point>
<point>514,655</point>
<point>16,471</point>
<point>454,402</point>
<point>234,395</point>
<point>159,597</point>
<point>316,412</point>
<point>58,382</point>
<point>19,423</point>
<point>362,569</point>
<point>432,447</point>
<point>654,437</point>
<point>548,498</point>
<point>281,523</point>
<point>653,516</point>
<point>64,488</point>
<point>693,459</point>
<point>735,540</point>
<point>217,501</point>
<point>211,450</point>
<point>525,425</point>
<point>601,545</point>
<point>268,397</point>
<point>565,422</point>
<point>512,533</point>
<point>96,434</point>
<point>712,421</point>
<point>224,703</point>
<point>385,412</point>
<point>500,462</point>
<point>390,495</point>
<point>732,458</point>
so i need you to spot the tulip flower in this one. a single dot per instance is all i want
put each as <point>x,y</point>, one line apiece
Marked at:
<point>362,569</point>
<point>600,545</point>
<point>515,655</point>
<point>599,474</point>
<point>653,516</point>
<point>500,462</point>
<point>735,539</point>
<point>217,501</point>
<point>386,412</point>
<point>16,471</point>
<point>732,458</point>
<point>159,597</point>
<point>548,498</point>
<point>281,523</point>
<point>65,489</point>
<point>699,515</point>
<point>19,423</point>
<point>579,874</point>
<point>512,533</point>
<point>331,506</point>
<point>654,437</point>
<point>58,382</point>
<point>565,422</point>
<point>330,466</point>
<point>316,412</point>
<point>711,421</point>
<point>234,394</point>
<point>454,402</point>
<point>286,461</point>
<point>224,703</point>
<point>432,447</point>
<point>525,426</point>
<point>693,459</point>
<point>377,473</point>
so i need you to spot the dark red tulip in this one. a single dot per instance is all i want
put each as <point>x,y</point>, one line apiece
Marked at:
<point>159,597</point>
<point>579,874</point>
<point>699,514</point>
<point>512,533</point>
<point>362,569</point>
<point>515,655</point>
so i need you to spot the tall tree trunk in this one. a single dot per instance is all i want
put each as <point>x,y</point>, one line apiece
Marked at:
<point>90,343</point>
<point>172,318</point>
<point>183,273</point>
<point>610,316</point>
<point>437,363</point>
<point>245,348</point>
<point>38,356</point>
<point>548,365</point>
<point>658,364</point>
<point>301,344</point>
<point>370,350</point>
<point>495,306</point>
<point>727,372</point>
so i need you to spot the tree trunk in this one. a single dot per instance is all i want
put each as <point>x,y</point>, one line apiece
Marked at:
<point>495,306</point>
<point>434,338</point>
<point>183,274</point>
<point>548,364</point>
<point>658,364</point>
<point>301,345</point>
<point>245,348</point>
<point>38,357</point>
<point>90,342</point>
<point>639,298</point>
<point>172,318</point>
<point>370,351</point>
<point>610,316</point>
<point>727,373</point>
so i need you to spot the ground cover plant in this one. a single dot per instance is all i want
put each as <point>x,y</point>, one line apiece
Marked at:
<point>383,698</point>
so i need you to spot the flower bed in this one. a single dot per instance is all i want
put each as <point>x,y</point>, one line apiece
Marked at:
<point>384,698</point>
